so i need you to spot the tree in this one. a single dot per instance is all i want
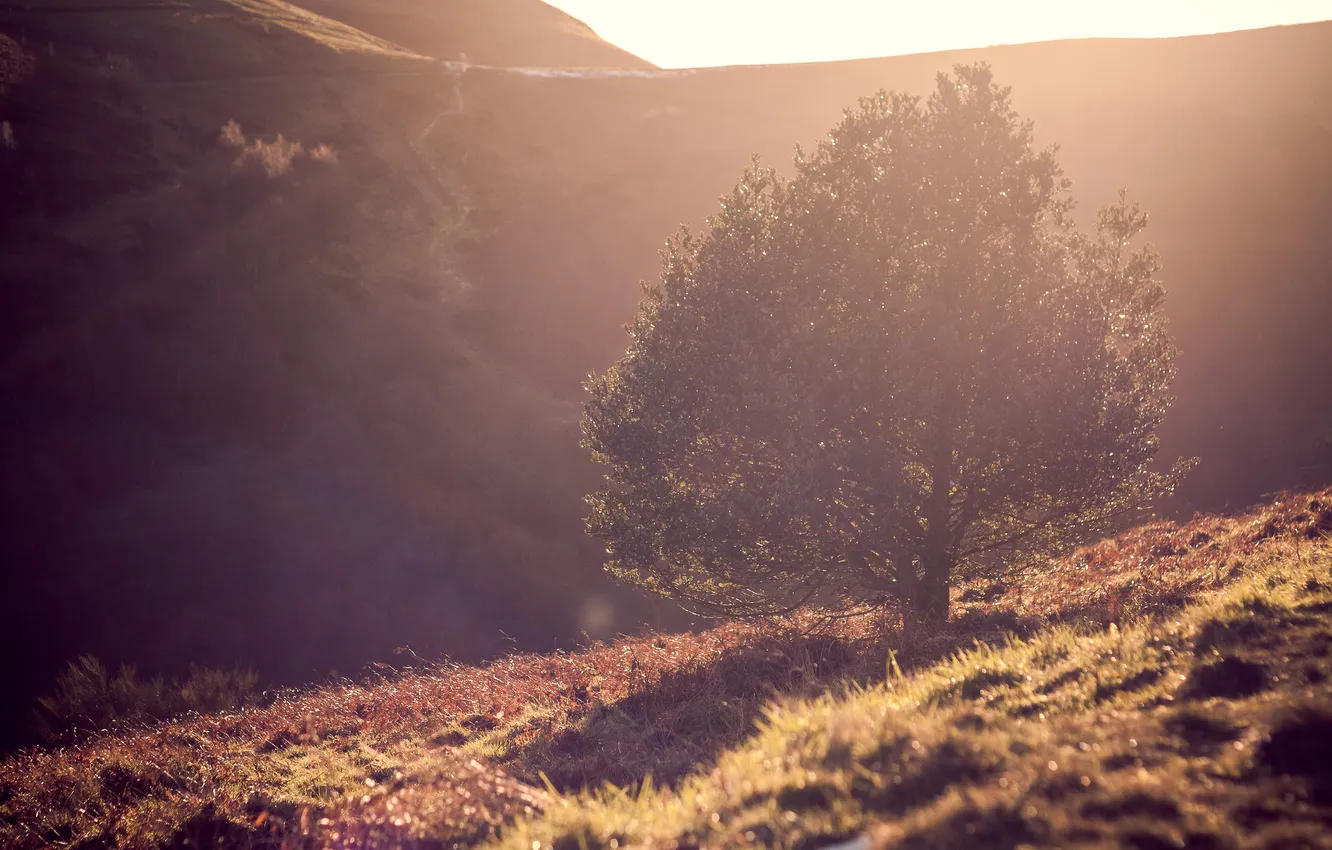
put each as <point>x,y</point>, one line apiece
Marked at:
<point>901,363</point>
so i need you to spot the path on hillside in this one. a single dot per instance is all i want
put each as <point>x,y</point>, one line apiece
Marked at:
<point>450,67</point>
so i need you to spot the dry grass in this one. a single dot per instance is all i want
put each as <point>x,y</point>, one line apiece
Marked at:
<point>1206,728</point>
<point>658,704</point>
<point>333,34</point>
<point>274,158</point>
<point>231,135</point>
<point>324,153</point>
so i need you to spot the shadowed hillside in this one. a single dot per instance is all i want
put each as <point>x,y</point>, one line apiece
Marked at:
<point>294,318</point>
<point>241,419</point>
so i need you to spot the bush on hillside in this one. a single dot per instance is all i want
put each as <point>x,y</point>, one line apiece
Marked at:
<point>274,159</point>
<point>88,698</point>
<point>210,689</point>
<point>902,363</point>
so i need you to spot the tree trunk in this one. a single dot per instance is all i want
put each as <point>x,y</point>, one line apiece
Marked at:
<point>930,602</point>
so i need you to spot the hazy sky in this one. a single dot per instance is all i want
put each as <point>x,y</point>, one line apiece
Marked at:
<point>683,33</point>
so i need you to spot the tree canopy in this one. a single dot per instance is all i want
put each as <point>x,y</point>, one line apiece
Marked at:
<point>900,363</point>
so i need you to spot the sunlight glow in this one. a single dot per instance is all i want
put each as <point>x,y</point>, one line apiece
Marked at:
<point>692,33</point>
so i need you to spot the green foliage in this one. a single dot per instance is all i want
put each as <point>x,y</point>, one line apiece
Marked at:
<point>88,698</point>
<point>902,362</point>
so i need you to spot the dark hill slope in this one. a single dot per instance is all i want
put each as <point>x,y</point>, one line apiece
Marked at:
<point>1223,138</point>
<point>487,32</point>
<point>239,421</point>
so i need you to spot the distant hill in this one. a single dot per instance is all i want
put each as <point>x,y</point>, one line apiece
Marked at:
<point>1223,139</point>
<point>301,420</point>
<point>488,32</point>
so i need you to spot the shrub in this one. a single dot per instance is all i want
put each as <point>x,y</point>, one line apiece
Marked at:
<point>232,136</point>
<point>87,698</point>
<point>324,153</point>
<point>274,158</point>
<point>209,689</point>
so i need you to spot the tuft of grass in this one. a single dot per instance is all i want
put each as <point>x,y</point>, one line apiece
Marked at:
<point>231,135</point>
<point>274,158</point>
<point>87,697</point>
<point>324,153</point>
<point>209,689</point>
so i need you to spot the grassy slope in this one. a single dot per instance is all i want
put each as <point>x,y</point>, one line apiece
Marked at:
<point>1207,728</point>
<point>504,33</point>
<point>1130,638</point>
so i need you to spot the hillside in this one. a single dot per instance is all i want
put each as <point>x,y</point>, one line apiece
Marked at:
<point>1165,688</point>
<point>1221,138</point>
<point>1207,728</point>
<point>506,33</point>
<point>299,421</point>
<point>241,412</point>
